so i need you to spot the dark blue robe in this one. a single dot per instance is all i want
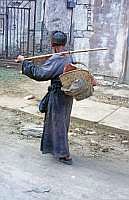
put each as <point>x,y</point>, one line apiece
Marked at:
<point>58,109</point>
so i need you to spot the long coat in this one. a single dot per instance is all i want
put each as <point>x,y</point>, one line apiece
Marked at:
<point>58,109</point>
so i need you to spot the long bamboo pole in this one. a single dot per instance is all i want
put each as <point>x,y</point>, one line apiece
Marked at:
<point>64,53</point>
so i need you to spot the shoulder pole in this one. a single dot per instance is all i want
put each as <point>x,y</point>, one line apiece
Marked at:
<point>42,57</point>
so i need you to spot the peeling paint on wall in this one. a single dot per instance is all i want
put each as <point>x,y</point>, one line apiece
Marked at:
<point>109,21</point>
<point>57,16</point>
<point>109,31</point>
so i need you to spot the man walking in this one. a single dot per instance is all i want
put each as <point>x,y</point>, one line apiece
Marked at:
<point>56,105</point>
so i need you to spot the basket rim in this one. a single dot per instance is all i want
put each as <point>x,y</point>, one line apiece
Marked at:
<point>69,72</point>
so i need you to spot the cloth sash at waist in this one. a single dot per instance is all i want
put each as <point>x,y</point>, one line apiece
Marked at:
<point>55,88</point>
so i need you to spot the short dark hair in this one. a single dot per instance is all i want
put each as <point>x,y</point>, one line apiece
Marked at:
<point>58,38</point>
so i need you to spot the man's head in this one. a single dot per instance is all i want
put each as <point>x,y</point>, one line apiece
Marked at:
<point>58,38</point>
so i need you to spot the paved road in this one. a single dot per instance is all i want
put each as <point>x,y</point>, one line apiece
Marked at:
<point>26,174</point>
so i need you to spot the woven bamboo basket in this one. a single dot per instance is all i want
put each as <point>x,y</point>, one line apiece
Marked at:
<point>68,77</point>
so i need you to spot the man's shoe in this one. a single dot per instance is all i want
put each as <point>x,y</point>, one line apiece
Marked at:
<point>67,161</point>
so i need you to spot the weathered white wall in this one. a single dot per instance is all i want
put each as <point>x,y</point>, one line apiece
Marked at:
<point>57,16</point>
<point>110,27</point>
<point>81,35</point>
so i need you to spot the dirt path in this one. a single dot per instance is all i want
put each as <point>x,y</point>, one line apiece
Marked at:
<point>26,174</point>
<point>101,157</point>
<point>86,139</point>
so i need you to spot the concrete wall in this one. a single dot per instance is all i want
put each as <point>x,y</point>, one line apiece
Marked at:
<point>109,20</point>
<point>56,17</point>
<point>109,30</point>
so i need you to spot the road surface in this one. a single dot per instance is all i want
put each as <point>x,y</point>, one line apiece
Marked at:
<point>27,174</point>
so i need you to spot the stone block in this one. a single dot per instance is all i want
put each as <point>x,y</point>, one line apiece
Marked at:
<point>80,18</point>
<point>119,119</point>
<point>83,1</point>
<point>92,111</point>
<point>57,16</point>
<point>82,43</point>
